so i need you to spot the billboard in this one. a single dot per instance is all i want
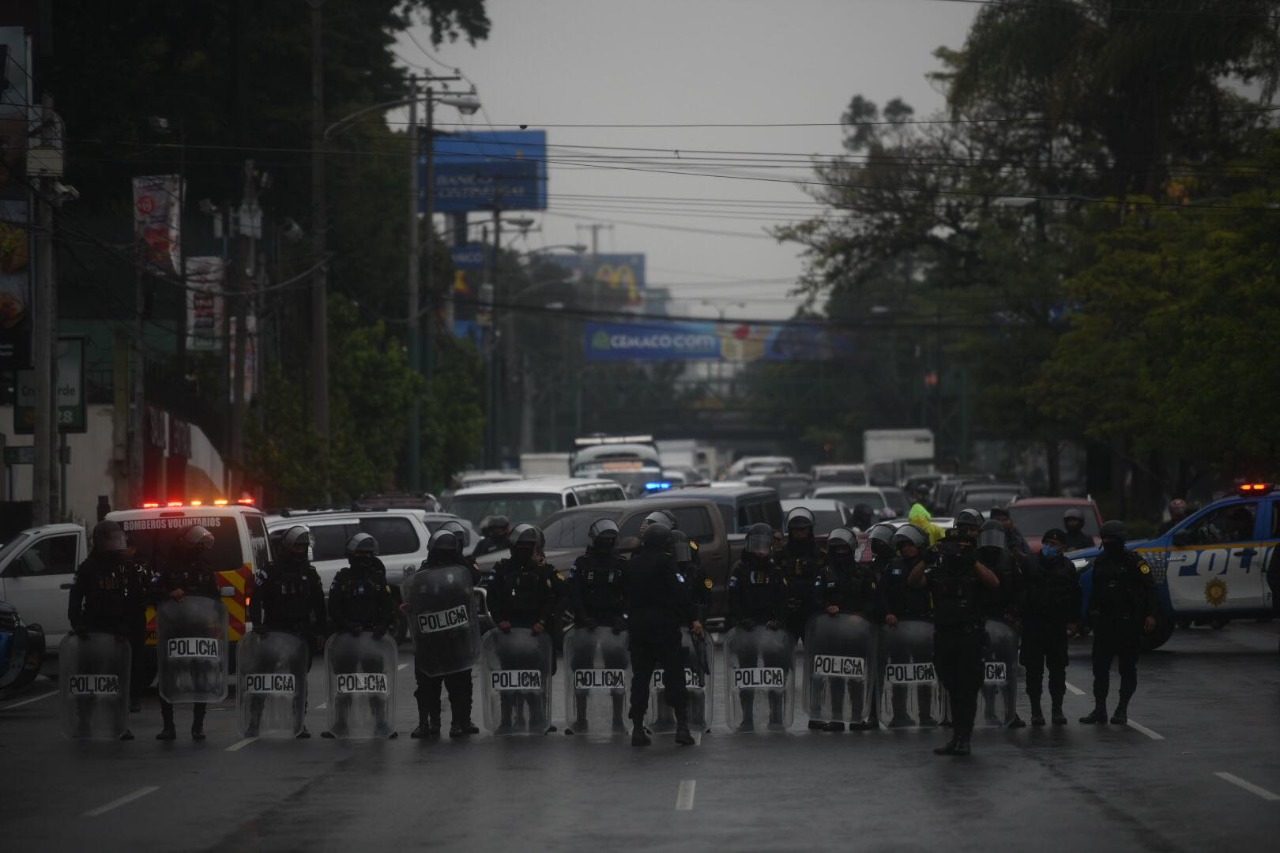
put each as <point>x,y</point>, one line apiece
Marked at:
<point>692,341</point>
<point>69,390</point>
<point>204,304</point>
<point>506,170</point>
<point>156,220</point>
<point>619,277</point>
<point>15,233</point>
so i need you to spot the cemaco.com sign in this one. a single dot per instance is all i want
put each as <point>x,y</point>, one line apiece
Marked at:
<point>651,343</point>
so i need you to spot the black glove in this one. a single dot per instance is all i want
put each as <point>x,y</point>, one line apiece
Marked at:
<point>746,624</point>
<point>619,625</point>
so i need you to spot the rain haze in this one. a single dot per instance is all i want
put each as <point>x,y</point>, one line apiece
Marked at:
<point>684,128</point>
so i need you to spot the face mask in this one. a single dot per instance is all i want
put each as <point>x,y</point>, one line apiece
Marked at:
<point>1112,546</point>
<point>1051,550</point>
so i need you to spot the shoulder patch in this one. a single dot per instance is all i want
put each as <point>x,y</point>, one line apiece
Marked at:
<point>1144,568</point>
<point>693,546</point>
<point>708,583</point>
<point>261,578</point>
<point>679,577</point>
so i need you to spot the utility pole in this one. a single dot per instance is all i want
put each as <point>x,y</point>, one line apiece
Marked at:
<point>491,459</point>
<point>244,271</point>
<point>594,228</point>
<point>414,283</point>
<point>319,283</point>
<point>45,309</point>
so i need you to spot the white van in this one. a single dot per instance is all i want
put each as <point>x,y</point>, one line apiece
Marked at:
<point>531,501</point>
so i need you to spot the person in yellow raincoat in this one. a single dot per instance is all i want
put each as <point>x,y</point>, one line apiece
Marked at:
<point>920,517</point>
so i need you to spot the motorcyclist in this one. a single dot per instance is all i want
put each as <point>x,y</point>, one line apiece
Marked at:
<point>597,599</point>
<point>1074,537</point>
<point>189,571</point>
<point>758,593</point>
<point>845,586</point>
<point>288,596</point>
<point>444,549</point>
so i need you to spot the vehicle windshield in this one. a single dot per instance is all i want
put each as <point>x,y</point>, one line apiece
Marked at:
<point>852,497</point>
<point>856,476</point>
<point>14,544</point>
<point>153,545</point>
<point>788,487</point>
<point>519,507</point>
<point>1035,520</point>
<point>898,502</point>
<point>987,501</point>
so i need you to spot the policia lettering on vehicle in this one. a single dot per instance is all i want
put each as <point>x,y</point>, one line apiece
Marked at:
<point>1049,615</point>
<point>758,592</point>
<point>109,594</point>
<point>801,561</point>
<point>900,600</point>
<point>956,581</point>
<point>1122,605</point>
<point>189,571</point>
<point>360,600</point>
<point>845,586</point>
<point>444,549</point>
<point>597,598</point>
<point>658,604</point>
<point>289,596</point>
<point>522,597</point>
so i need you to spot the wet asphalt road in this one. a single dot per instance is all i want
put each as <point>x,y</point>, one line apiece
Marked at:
<point>1199,770</point>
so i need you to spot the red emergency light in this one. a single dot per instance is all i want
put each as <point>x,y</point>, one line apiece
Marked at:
<point>245,501</point>
<point>150,505</point>
<point>1256,488</point>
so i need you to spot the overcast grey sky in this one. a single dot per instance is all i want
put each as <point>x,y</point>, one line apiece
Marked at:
<point>627,66</point>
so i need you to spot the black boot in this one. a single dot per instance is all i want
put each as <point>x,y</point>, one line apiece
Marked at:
<point>683,736</point>
<point>1097,717</point>
<point>949,748</point>
<point>1055,710</point>
<point>962,746</point>
<point>639,737</point>
<point>1037,710</point>
<point>1121,716</point>
<point>197,722</point>
<point>167,732</point>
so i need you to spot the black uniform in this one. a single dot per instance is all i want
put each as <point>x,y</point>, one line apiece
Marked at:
<point>802,562</point>
<point>109,594</point>
<point>902,601</point>
<point>959,637</point>
<point>597,597</point>
<point>658,604</point>
<point>521,594</point>
<point>758,595</point>
<point>491,543</point>
<point>290,597</point>
<point>458,684</point>
<point>1076,540</point>
<point>1005,604</point>
<point>194,574</point>
<point>360,600</point>
<point>1122,597</point>
<point>1052,602</point>
<point>851,587</point>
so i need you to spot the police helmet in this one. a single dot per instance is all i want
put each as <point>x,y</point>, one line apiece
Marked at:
<point>842,542</point>
<point>1073,513</point>
<point>296,540</point>
<point>680,549</point>
<point>759,539</point>
<point>1113,530</point>
<point>362,546</point>
<point>458,529</point>
<point>486,525</point>
<point>499,524</point>
<point>603,534</point>
<point>1177,506</point>
<point>658,537</point>
<point>799,518</point>
<point>659,516</point>
<point>444,544</point>
<point>1053,534</point>
<point>863,515</point>
<point>909,534</point>
<point>992,541</point>
<point>527,535</point>
<point>881,538</point>
<point>198,538</point>
<point>968,517</point>
<point>107,536</point>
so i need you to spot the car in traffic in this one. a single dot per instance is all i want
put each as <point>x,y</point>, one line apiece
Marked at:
<point>1212,566</point>
<point>855,475</point>
<point>22,648</point>
<point>1033,516</point>
<point>985,496</point>
<point>885,501</point>
<point>531,501</point>
<point>741,506</point>
<point>827,514</point>
<point>788,485</point>
<point>748,465</point>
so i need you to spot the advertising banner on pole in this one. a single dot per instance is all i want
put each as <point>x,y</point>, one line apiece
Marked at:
<point>731,341</point>
<point>15,233</point>
<point>156,222</point>
<point>204,304</point>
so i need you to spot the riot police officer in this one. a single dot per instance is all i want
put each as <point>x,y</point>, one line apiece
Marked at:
<point>1122,605</point>
<point>1074,537</point>
<point>1050,612</point>
<point>1015,542</point>
<point>699,583</point>
<point>597,599</point>
<point>758,593</point>
<point>109,594</point>
<point>900,600</point>
<point>443,549</point>
<point>189,571</point>
<point>844,585</point>
<point>288,597</point>
<point>882,551</point>
<point>998,549</point>
<point>801,560</point>
<point>956,581</point>
<point>360,600</point>
<point>658,604</point>
<point>522,596</point>
<point>463,538</point>
<point>495,535</point>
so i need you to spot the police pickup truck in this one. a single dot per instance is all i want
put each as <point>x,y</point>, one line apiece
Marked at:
<point>1213,565</point>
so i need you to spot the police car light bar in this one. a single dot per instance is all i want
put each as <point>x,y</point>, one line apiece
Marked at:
<point>172,504</point>
<point>245,501</point>
<point>150,505</point>
<point>593,441</point>
<point>219,501</point>
<point>657,487</point>
<point>1256,488</point>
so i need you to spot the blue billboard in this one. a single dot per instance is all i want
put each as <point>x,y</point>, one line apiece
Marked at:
<point>728,341</point>
<point>484,170</point>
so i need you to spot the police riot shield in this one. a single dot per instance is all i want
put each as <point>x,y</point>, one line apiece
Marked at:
<point>909,689</point>
<point>597,677</point>
<point>515,672</point>
<point>999,696</point>
<point>192,650</point>
<point>93,678</point>
<point>759,679</point>
<point>271,684</point>
<point>840,669</point>
<point>697,682</point>
<point>361,670</point>
<point>442,619</point>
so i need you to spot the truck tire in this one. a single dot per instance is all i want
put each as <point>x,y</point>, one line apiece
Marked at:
<point>1158,637</point>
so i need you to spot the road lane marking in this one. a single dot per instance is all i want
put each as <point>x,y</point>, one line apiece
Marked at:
<point>1075,691</point>
<point>125,800</point>
<point>239,745</point>
<point>684,798</point>
<point>29,701</point>
<point>1248,786</point>
<point>402,666</point>
<point>1146,731</point>
<point>322,706</point>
